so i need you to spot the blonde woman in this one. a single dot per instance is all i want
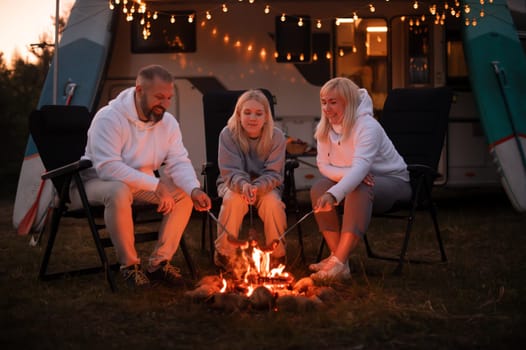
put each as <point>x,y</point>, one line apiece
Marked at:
<point>251,158</point>
<point>361,170</point>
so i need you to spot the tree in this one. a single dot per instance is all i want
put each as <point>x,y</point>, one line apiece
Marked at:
<point>20,89</point>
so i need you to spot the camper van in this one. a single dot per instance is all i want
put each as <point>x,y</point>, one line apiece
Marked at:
<point>291,48</point>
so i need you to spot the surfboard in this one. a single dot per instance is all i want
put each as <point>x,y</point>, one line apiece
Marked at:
<point>497,71</point>
<point>83,53</point>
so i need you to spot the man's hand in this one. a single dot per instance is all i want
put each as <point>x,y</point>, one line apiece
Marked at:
<point>201,200</point>
<point>325,203</point>
<point>249,193</point>
<point>166,201</point>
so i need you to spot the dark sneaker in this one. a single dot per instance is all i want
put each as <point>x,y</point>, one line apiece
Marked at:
<point>134,277</point>
<point>222,261</point>
<point>167,273</point>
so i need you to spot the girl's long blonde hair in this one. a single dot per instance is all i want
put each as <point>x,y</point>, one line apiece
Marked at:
<point>349,91</point>
<point>234,123</point>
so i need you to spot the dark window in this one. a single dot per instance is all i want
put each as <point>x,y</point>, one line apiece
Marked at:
<point>168,33</point>
<point>293,39</point>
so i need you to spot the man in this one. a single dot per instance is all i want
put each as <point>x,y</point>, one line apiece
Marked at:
<point>128,140</point>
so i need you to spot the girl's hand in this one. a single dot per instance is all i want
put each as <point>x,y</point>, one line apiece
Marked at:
<point>249,193</point>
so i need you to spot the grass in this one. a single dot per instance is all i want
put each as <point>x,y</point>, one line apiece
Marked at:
<point>475,301</point>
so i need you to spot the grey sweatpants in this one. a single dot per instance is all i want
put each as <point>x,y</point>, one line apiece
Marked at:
<point>359,204</point>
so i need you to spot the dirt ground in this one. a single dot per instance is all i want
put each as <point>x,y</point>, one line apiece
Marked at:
<point>477,300</point>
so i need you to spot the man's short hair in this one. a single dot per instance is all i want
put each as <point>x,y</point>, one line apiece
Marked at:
<point>154,70</point>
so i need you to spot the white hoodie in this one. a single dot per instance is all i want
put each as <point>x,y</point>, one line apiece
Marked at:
<point>368,149</point>
<point>124,148</point>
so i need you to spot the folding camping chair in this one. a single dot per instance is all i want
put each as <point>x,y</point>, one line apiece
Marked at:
<point>218,106</point>
<point>415,119</point>
<point>60,134</point>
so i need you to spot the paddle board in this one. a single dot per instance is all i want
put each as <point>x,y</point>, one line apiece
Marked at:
<point>83,52</point>
<point>497,70</point>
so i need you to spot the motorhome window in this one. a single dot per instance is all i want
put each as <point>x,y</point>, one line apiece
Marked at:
<point>293,38</point>
<point>419,54</point>
<point>318,71</point>
<point>171,33</point>
<point>457,72</point>
<point>360,53</point>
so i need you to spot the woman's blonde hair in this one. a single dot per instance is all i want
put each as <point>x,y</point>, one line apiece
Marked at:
<point>234,122</point>
<point>349,91</point>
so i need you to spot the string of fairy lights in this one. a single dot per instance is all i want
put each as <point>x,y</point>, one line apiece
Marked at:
<point>437,11</point>
<point>147,15</point>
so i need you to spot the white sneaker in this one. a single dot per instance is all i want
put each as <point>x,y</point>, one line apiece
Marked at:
<point>318,266</point>
<point>334,269</point>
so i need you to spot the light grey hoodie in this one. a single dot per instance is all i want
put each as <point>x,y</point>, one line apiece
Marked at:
<point>126,149</point>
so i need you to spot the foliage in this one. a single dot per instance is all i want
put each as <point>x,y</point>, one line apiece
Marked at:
<point>20,87</point>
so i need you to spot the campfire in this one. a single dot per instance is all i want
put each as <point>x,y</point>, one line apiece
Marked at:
<point>254,284</point>
<point>253,269</point>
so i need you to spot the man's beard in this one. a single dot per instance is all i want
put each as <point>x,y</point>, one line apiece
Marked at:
<point>155,117</point>
<point>150,114</point>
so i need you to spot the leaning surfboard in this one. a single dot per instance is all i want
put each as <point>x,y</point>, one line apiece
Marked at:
<point>497,70</point>
<point>83,52</point>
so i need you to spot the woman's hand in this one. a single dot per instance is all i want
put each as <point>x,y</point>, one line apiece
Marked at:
<point>249,193</point>
<point>325,203</point>
<point>369,180</point>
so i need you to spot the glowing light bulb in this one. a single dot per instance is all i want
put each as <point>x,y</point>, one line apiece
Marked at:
<point>172,19</point>
<point>267,9</point>
<point>208,15</point>
<point>283,17</point>
<point>318,24</point>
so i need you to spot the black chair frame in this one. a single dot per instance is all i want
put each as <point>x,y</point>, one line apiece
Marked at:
<point>218,107</point>
<point>422,158</point>
<point>69,171</point>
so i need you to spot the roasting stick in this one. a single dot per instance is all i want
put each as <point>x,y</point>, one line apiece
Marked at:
<point>240,243</point>
<point>275,242</point>
<point>296,224</point>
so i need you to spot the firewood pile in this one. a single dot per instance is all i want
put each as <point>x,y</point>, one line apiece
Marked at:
<point>281,295</point>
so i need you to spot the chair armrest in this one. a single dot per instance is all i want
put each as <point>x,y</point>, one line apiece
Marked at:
<point>67,169</point>
<point>417,170</point>
<point>291,164</point>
